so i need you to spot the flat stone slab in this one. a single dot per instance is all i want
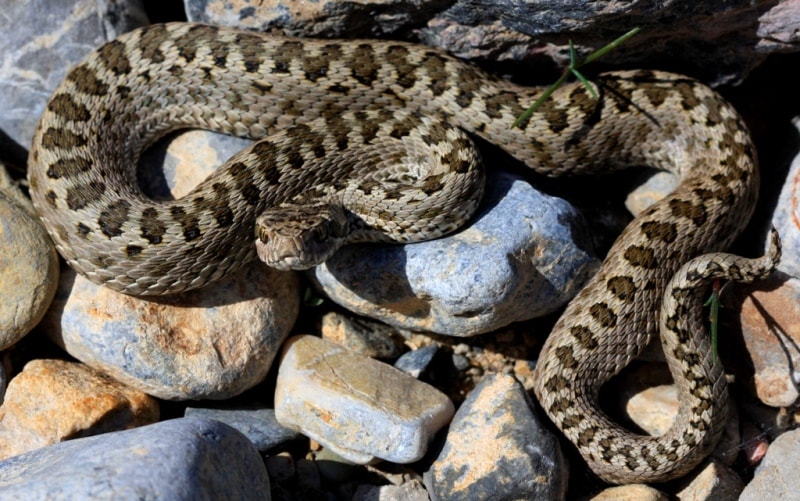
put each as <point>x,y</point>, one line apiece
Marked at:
<point>358,407</point>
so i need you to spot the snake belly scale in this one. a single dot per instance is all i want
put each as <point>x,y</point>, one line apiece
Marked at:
<point>333,119</point>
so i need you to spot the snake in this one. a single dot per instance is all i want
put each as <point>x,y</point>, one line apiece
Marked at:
<point>364,140</point>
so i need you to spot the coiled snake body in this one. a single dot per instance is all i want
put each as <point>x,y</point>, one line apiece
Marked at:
<point>376,130</point>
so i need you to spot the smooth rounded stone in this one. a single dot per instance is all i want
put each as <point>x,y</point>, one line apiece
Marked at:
<point>714,481</point>
<point>417,362</point>
<point>28,271</point>
<point>786,218</point>
<point>11,188</point>
<point>368,337</point>
<point>633,492</point>
<point>769,314</point>
<point>776,477</point>
<point>180,459</point>
<point>360,408</point>
<point>655,186</point>
<point>522,256</point>
<point>42,39</point>
<point>258,425</point>
<point>53,400</point>
<point>497,448</point>
<point>409,491</point>
<point>211,343</point>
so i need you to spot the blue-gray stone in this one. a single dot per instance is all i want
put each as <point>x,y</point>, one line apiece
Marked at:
<point>496,448</point>
<point>417,361</point>
<point>258,425</point>
<point>181,459</point>
<point>524,255</point>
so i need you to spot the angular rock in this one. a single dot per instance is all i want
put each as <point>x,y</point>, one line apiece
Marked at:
<point>28,271</point>
<point>497,448</point>
<point>179,459</point>
<point>522,256</point>
<point>258,425</point>
<point>769,314</point>
<point>368,337</point>
<point>42,39</point>
<point>52,400</point>
<point>776,477</point>
<point>360,408</point>
<point>654,187</point>
<point>211,343</point>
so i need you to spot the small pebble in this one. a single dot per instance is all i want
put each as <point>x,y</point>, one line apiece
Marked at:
<point>258,425</point>
<point>633,492</point>
<point>178,459</point>
<point>409,491</point>
<point>496,448</point>
<point>52,400</point>
<point>359,407</point>
<point>416,362</point>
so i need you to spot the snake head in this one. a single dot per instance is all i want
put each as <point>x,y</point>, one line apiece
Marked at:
<point>298,237</point>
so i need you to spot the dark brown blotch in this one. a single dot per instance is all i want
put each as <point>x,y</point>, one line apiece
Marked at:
<point>66,108</point>
<point>435,66</point>
<point>150,42</point>
<point>68,167</point>
<point>665,231</point>
<point>641,257</point>
<point>189,222</point>
<point>405,72</point>
<point>151,228</point>
<point>603,314</point>
<point>81,195</point>
<point>114,57</point>
<point>113,217</point>
<point>364,66</point>
<point>584,336</point>
<point>622,287</point>
<point>286,54</point>
<point>87,82</point>
<point>62,138</point>
<point>688,210</point>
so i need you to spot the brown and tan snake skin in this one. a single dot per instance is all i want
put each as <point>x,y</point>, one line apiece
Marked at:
<point>382,129</point>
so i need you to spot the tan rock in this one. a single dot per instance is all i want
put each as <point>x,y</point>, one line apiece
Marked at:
<point>634,492</point>
<point>714,481</point>
<point>53,400</point>
<point>360,408</point>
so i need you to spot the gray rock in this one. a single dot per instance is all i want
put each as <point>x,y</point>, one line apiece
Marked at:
<point>358,407</point>
<point>785,217</point>
<point>523,256</point>
<point>258,425</point>
<point>211,343</point>
<point>417,361</point>
<point>42,39</point>
<point>776,477</point>
<point>182,459</point>
<point>497,448</point>
<point>28,271</point>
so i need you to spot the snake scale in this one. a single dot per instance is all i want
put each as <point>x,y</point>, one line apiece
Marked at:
<point>377,136</point>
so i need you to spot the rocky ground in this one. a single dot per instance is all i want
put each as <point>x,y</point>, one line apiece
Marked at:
<point>331,384</point>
